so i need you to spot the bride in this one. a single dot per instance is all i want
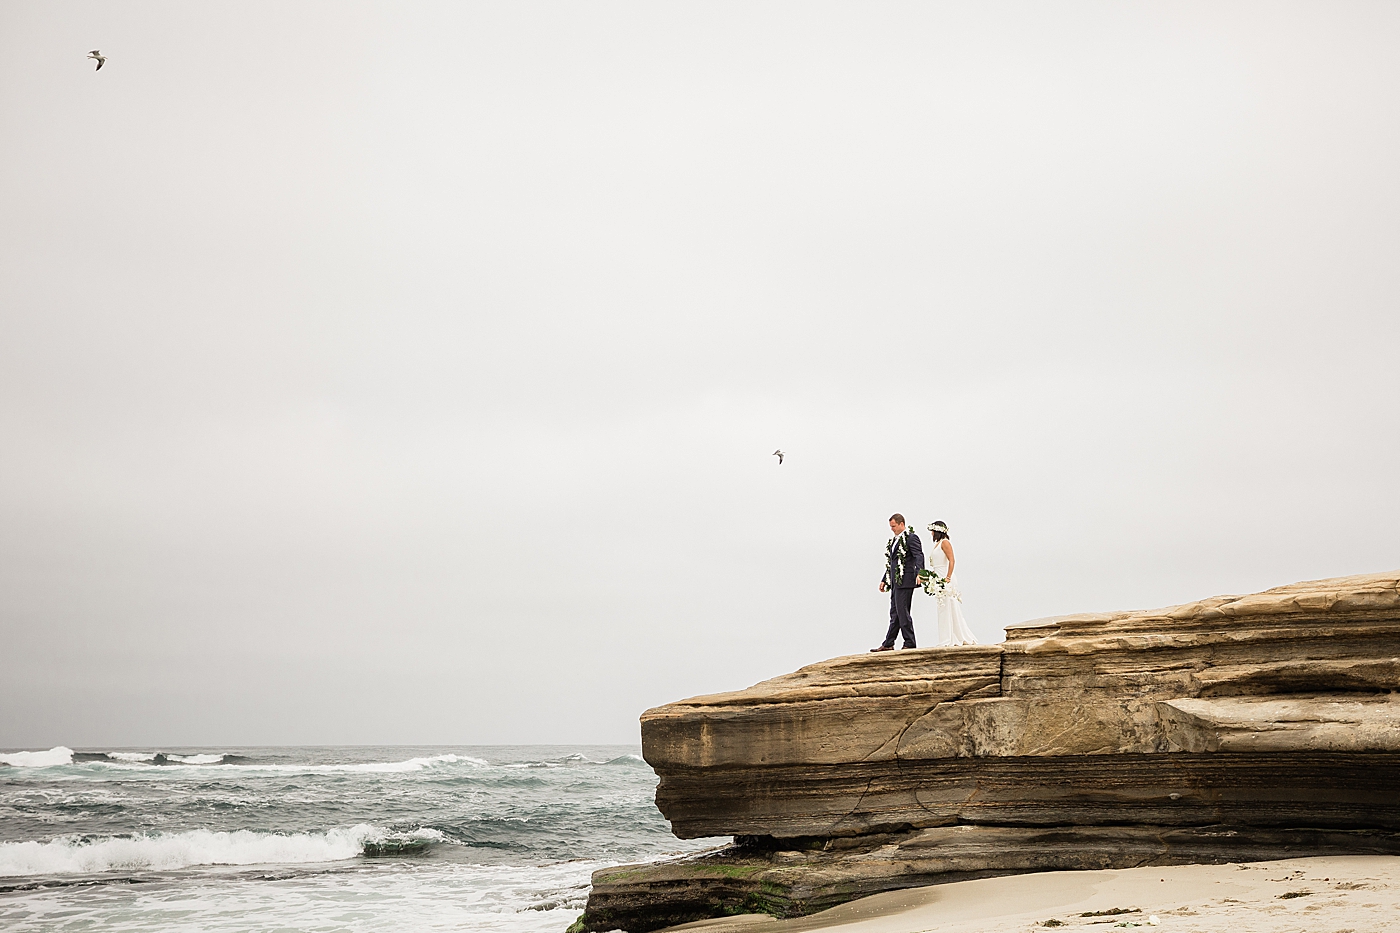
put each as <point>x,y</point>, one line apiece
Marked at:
<point>952,627</point>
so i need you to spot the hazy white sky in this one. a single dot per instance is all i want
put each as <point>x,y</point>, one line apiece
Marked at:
<point>409,372</point>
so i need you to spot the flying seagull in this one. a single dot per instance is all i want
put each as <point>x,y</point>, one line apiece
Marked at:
<point>779,455</point>
<point>101,59</point>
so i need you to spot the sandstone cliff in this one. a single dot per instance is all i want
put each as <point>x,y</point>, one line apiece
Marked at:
<point>1230,729</point>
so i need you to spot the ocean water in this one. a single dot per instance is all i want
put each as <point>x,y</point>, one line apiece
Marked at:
<point>319,839</point>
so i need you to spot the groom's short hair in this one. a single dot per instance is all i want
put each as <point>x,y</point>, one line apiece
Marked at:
<point>896,517</point>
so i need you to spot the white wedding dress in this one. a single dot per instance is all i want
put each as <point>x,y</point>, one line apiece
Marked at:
<point>952,627</point>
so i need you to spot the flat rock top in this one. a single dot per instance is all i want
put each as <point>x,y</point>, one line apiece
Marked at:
<point>962,671</point>
<point>1363,594</point>
<point>862,675</point>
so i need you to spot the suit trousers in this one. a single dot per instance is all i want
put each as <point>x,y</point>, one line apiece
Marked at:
<point>901,622</point>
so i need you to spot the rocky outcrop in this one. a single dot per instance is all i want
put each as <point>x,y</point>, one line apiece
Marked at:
<point>1234,728</point>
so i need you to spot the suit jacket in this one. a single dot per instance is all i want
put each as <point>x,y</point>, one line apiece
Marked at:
<point>913,562</point>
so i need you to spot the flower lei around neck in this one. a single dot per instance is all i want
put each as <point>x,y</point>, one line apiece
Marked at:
<point>895,551</point>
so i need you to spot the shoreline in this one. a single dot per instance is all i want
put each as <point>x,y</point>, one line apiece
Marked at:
<point>1326,894</point>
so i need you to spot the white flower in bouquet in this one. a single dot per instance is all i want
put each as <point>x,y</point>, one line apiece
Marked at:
<point>937,586</point>
<point>934,585</point>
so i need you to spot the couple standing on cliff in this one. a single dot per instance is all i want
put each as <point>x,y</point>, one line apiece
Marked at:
<point>904,572</point>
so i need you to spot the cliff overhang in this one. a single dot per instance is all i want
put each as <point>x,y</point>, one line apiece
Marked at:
<point>1237,728</point>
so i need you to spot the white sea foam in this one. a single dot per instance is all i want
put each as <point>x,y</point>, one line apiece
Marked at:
<point>60,755</point>
<point>370,767</point>
<point>207,764</point>
<point>436,897</point>
<point>196,759</point>
<point>142,757</point>
<point>162,851</point>
<point>577,758</point>
<point>412,764</point>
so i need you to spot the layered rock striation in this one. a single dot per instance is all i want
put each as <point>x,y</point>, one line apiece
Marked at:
<point>1234,728</point>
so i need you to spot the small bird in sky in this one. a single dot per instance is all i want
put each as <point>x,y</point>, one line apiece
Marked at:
<point>779,454</point>
<point>101,59</point>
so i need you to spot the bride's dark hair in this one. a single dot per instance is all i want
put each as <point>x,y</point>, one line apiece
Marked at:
<point>936,534</point>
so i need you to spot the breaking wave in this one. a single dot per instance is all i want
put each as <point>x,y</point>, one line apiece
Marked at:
<point>156,758</point>
<point>167,851</point>
<point>578,759</point>
<point>412,764</point>
<point>62,755</point>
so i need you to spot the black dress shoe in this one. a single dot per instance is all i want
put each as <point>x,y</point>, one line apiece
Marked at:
<point>882,648</point>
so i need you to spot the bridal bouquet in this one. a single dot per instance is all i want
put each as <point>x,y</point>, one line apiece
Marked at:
<point>934,585</point>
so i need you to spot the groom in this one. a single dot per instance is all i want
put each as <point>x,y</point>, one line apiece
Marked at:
<point>904,558</point>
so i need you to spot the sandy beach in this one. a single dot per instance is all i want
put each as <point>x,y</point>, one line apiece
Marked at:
<point>1354,894</point>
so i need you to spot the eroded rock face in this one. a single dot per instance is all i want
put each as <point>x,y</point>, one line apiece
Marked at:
<point>1220,729</point>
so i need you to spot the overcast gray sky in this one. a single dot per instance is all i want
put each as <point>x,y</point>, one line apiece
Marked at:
<point>408,372</point>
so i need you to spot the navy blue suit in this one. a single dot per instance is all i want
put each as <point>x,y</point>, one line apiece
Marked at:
<point>902,586</point>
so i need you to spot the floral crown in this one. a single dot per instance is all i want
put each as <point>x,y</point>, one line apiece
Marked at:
<point>938,526</point>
